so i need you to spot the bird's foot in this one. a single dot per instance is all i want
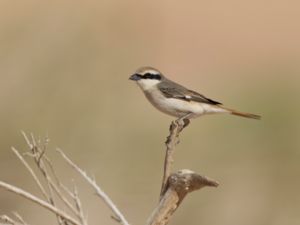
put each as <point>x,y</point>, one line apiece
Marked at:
<point>186,123</point>
<point>183,122</point>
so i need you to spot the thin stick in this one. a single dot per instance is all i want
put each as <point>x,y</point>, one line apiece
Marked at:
<point>98,190</point>
<point>57,188</point>
<point>175,128</point>
<point>7,220</point>
<point>79,207</point>
<point>38,201</point>
<point>38,154</point>
<point>20,218</point>
<point>36,179</point>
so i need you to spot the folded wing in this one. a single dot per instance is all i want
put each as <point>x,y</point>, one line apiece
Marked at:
<point>171,89</point>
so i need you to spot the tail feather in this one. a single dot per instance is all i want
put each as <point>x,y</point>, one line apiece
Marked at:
<point>243,114</point>
<point>247,115</point>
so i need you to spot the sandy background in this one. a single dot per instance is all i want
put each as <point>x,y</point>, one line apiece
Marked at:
<point>64,68</point>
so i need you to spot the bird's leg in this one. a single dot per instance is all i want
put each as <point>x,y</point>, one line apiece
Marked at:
<point>183,121</point>
<point>186,123</point>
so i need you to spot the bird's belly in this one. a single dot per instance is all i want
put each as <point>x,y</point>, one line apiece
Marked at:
<point>176,107</point>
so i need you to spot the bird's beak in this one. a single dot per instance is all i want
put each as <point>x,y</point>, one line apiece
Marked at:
<point>135,77</point>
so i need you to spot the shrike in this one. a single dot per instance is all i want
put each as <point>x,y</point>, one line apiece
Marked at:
<point>176,100</point>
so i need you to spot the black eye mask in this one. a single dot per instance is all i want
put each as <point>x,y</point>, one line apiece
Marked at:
<point>151,76</point>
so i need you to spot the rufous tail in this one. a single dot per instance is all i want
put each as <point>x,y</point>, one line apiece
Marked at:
<point>242,114</point>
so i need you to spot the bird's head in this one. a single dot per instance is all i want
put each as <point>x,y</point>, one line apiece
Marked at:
<point>147,77</point>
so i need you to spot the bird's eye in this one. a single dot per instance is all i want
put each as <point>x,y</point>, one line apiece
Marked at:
<point>152,76</point>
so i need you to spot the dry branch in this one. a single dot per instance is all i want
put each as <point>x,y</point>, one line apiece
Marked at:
<point>38,201</point>
<point>175,186</point>
<point>53,188</point>
<point>20,218</point>
<point>179,184</point>
<point>119,216</point>
<point>36,179</point>
<point>172,140</point>
<point>6,220</point>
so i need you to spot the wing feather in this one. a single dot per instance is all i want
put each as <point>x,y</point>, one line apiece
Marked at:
<point>171,89</point>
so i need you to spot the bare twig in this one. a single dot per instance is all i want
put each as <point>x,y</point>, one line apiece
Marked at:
<point>27,140</point>
<point>49,196</point>
<point>98,190</point>
<point>20,218</point>
<point>178,186</point>
<point>38,201</point>
<point>38,150</point>
<point>36,179</point>
<point>79,207</point>
<point>172,140</point>
<point>59,188</point>
<point>6,220</point>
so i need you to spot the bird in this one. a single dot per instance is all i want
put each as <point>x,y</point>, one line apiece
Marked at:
<point>176,100</point>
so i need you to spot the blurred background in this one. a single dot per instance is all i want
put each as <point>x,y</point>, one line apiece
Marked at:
<point>64,68</point>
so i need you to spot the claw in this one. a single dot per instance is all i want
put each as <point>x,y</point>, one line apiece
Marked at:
<point>186,122</point>
<point>183,122</point>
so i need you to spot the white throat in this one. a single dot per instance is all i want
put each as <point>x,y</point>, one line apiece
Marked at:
<point>147,84</point>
